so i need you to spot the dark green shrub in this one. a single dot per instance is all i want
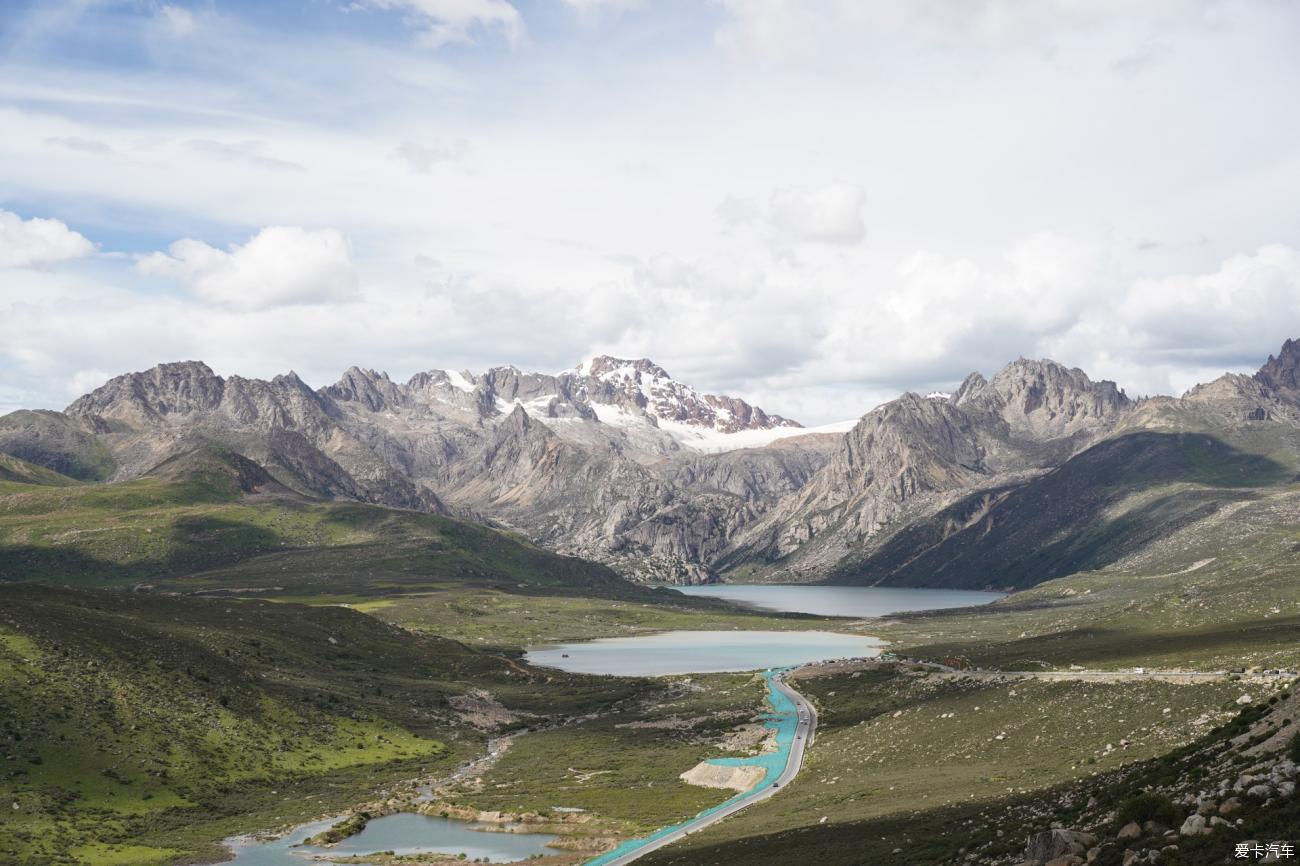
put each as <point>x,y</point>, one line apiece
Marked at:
<point>1149,807</point>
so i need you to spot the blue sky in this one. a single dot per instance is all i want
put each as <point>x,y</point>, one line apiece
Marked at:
<point>814,205</point>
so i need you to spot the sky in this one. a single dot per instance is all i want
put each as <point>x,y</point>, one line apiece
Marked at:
<point>811,205</point>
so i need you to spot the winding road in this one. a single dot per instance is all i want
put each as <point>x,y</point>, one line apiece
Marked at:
<point>805,732</point>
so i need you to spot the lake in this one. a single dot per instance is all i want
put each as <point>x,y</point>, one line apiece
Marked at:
<point>403,833</point>
<point>698,652</point>
<point>856,601</point>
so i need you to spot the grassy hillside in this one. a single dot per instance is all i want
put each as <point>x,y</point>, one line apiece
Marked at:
<point>912,768</point>
<point>1216,594</point>
<point>221,514</point>
<point>1106,503</point>
<point>137,728</point>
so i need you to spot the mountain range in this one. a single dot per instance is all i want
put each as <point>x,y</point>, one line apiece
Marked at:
<point>1003,483</point>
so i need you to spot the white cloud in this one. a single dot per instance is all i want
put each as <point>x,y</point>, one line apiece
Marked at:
<point>422,158</point>
<point>445,22</point>
<point>178,20</point>
<point>829,214</point>
<point>770,30</point>
<point>281,265</point>
<point>247,152</point>
<point>785,30</point>
<point>591,10</point>
<point>38,242</point>
<point>664,271</point>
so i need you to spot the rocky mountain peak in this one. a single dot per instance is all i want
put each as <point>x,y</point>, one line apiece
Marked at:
<point>608,367</point>
<point>642,388</point>
<point>373,390</point>
<point>970,387</point>
<point>175,388</point>
<point>1043,399</point>
<point>1282,373</point>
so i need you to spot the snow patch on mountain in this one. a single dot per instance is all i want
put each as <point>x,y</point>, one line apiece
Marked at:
<point>458,380</point>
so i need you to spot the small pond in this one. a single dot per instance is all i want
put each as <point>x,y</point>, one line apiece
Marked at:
<point>697,652</point>
<point>403,833</point>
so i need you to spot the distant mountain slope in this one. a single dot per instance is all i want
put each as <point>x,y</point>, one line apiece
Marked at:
<point>212,509</point>
<point>1101,505</point>
<point>18,471</point>
<point>64,444</point>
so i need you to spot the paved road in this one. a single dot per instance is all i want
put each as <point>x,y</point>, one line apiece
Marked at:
<point>805,732</point>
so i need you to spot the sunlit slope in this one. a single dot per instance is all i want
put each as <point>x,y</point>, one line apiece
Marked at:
<point>148,719</point>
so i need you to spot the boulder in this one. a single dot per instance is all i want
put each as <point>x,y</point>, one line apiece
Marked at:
<point>1067,860</point>
<point>1263,792</point>
<point>1131,830</point>
<point>1049,846</point>
<point>1230,805</point>
<point>1195,825</point>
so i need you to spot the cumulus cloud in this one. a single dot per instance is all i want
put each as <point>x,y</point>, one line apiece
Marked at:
<point>830,214</point>
<point>37,242</point>
<point>279,266</point>
<point>445,22</point>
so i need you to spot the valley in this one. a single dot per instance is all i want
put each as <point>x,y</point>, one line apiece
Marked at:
<point>231,606</point>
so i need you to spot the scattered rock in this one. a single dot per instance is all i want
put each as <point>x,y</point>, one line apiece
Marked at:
<point>1067,860</point>
<point>1195,825</point>
<point>1131,830</point>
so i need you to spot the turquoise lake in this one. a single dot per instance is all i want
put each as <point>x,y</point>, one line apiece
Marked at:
<point>856,601</point>
<point>699,652</point>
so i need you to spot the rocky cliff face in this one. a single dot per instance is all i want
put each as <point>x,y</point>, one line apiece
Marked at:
<point>904,457</point>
